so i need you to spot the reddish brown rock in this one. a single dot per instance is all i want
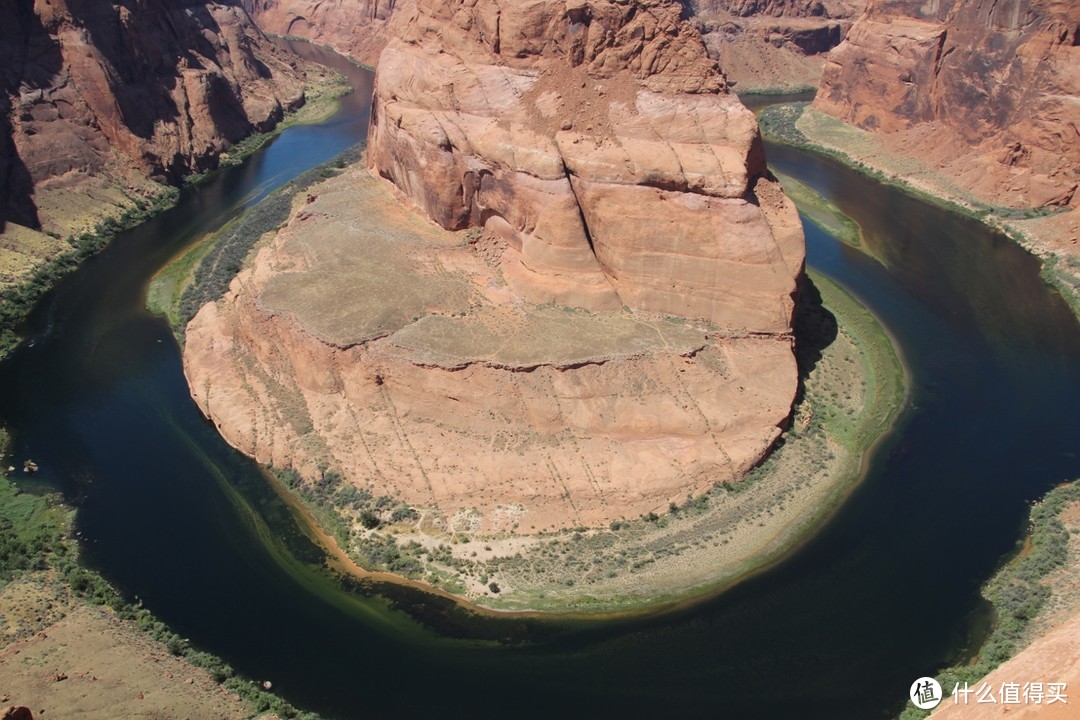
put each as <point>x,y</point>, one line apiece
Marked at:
<point>160,87</point>
<point>599,142</point>
<point>760,43</point>
<point>16,713</point>
<point>352,27</point>
<point>988,91</point>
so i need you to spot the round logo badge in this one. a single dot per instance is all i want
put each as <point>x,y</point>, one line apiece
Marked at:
<point>925,693</point>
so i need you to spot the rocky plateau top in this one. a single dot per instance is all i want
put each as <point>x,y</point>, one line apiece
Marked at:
<point>611,334</point>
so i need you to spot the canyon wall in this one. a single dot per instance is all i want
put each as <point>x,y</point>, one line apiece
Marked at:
<point>128,89</point>
<point>352,27</point>
<point>987,90</point>
<point>773,44</point>
<point>760,44</point>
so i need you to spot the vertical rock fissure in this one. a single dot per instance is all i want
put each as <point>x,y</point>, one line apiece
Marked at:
<point>588,233</point>
<point>581,211</point>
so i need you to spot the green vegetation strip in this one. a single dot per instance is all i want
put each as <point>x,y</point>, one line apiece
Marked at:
<point>1017,592</point>
<point>881,366</point>
<point>203,272</point>
<point>1062,272</point>
<point>779,123</point>
<point>821,212</point>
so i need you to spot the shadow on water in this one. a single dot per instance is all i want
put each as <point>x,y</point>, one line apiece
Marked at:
<point>839,630</point>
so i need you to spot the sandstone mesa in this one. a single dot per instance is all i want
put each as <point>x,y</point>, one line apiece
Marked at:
<point>537,376</point>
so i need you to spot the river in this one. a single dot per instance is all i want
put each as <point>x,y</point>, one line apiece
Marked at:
<point>885,592</point>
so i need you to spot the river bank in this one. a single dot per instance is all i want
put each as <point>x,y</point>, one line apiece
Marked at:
<point>1037,617</point>
<point>65,633</point>
<point>1051,235</point>
<point>853,387</point>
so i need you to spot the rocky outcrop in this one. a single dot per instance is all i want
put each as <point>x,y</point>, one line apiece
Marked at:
<point>988,91</point>
<point>773,44</point>
<point>352,27</point>
<point>598,142</point>
<point>151,87</point>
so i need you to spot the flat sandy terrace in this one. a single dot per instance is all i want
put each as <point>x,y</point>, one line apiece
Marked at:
<point>65,658</point>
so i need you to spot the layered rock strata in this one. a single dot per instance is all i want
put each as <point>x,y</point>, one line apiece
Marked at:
<point>598,141</point>
<point>352,27</point>
<point>128,90</point>
<point>612,335</point>
<point>989,92</point>
<point>773,44</point>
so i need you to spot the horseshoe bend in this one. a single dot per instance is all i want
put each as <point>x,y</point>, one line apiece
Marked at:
<point>555,302</point>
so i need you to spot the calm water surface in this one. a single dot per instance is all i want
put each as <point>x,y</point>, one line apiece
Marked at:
<point>886,592</point>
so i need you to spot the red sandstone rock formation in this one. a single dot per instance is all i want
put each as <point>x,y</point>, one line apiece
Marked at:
<point>988,90</point>
<point>352,27</point>
<point>596,145</point>
<point>366,340</point>
<point>163,87</point>
<point>760,43</point>
<point>598,140</point>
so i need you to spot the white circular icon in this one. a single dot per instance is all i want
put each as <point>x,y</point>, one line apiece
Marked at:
<point>925,693</point>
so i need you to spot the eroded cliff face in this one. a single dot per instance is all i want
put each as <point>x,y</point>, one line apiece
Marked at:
<point>761,44</point>
<point>600,326</point>
<point>597,141</point>
<point>773,44</point>
<point>988,90</point>
<point>129,88</point>
<point>352,27</point>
